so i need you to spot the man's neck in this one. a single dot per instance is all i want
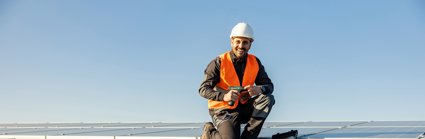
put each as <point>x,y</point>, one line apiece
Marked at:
<point>235,58</point>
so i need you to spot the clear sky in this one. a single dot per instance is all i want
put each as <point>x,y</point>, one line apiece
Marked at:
<point>143,61</point>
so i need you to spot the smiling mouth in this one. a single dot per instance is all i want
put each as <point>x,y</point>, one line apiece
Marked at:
<point>241,50</point>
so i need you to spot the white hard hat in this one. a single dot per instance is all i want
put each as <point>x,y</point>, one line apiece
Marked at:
<point>242,30</point>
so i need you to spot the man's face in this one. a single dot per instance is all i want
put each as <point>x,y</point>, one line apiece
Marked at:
<point>240,46</point>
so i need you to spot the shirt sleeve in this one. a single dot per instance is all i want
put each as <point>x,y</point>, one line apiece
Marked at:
<point>263,79</point>
<point>211,78</point>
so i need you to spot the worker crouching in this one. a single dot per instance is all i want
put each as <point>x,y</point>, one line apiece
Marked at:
<point>238,90</point>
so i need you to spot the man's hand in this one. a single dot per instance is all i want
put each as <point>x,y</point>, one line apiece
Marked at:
<point>231,95</point>
<point>253,90</point>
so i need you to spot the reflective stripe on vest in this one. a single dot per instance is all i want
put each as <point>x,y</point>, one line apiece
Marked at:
<point>229,77</point>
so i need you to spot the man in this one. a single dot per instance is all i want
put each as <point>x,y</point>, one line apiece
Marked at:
<point>226,106</point>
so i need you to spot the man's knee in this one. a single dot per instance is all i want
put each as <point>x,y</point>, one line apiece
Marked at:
<point>227,130</point>
<point>263,105</point>
<point>264,101</point>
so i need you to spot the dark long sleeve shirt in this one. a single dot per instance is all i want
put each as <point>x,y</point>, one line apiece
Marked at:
<point>212,77</point>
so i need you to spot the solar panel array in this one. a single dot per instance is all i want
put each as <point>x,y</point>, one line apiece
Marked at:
<point>307,130</point>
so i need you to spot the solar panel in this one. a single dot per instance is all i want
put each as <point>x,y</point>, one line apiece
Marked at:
<point>34,131</point>
<point>394,123</point>
<point>278,124</point>
<point>173,132</point>
<point>5,131</point>
<point>380,132</point>
<point>325,124</point>
<point>307,130</point>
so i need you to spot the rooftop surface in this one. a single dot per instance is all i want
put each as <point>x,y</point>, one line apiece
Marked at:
<point>193,130</point>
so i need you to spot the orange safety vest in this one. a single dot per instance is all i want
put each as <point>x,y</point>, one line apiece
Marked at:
<point>229,77</point>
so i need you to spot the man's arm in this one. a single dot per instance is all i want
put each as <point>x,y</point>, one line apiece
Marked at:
<point>211,78</point>
<point>263,79</point>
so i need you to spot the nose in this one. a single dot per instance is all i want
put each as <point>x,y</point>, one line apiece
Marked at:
<point>240,45</point>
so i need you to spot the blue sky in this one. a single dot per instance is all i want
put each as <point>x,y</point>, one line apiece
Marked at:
<point>143,61</point>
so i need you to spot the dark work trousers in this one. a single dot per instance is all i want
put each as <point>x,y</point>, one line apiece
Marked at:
<point>253,114</point>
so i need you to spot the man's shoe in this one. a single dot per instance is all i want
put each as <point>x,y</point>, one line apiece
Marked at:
<point>208,127</point>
